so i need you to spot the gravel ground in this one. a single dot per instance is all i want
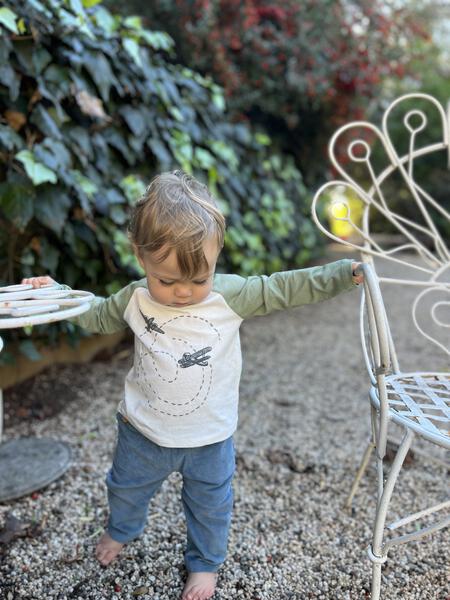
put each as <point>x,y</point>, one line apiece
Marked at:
<point>304,422</point>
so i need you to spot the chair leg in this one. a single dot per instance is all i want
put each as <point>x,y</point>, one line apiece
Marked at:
<point>361,470</point>
<point>365,459</point>
<point>376,552</point>
<point>376,582</point>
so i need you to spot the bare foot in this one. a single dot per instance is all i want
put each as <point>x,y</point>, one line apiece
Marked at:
<point>107,549</point>
<point>199,586</point>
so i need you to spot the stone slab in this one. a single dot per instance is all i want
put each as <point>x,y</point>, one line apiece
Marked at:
<point>29,464</point>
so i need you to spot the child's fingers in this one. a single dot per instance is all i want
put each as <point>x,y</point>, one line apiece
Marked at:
<point>358,273</point>
<point>37,282</point>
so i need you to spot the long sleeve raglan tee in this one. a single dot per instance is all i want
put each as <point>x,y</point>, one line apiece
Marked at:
<point>183,388</point>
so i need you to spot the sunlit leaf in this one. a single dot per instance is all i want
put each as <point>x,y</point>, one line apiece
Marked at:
<point>85,184</point>
<point>132,187</point>
<point>105,20</point>
<point>158,40</point>
<point>21,26</point>
<point>36,171</point>
<point>133,49</point>
<point>8,19</point>
<point>204,158</point>
<point>133,22</point>
<point>219,100</point>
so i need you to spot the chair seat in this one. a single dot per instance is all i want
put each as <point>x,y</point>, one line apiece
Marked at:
<point>419,401</point>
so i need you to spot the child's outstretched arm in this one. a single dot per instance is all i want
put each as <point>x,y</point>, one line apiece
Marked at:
<point>261,295</point>
<point>105,314</point>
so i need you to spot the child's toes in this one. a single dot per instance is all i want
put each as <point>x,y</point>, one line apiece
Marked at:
<point>107,549</point>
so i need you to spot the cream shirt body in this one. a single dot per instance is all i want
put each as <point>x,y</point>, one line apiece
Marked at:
<point>183,388</point>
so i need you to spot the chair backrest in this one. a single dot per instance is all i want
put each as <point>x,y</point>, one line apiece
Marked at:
<point>389,176</point>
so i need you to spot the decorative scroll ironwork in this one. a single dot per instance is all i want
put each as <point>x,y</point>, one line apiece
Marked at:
<point>424,247</point>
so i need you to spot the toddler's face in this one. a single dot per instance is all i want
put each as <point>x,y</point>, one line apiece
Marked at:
<point>166,284</point>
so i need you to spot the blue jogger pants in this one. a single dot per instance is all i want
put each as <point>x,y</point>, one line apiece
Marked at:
<point>139,468</point>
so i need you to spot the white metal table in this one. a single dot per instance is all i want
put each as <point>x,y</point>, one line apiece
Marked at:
<point>28,464</point>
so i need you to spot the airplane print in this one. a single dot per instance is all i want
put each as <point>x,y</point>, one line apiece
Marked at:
<point>196,358</point>
<point>150,324</point>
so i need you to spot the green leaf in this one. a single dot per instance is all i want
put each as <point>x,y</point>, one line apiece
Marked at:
<point>28,348</point>
<point>116,139</point>
<point>52,208</point>
<point>81,143</point>
<point>9,139</point>
<point>105,20</point>
<point>133,22</point>
<point>40,8</point>
<point>27,259</point>
<point>118,215</point>
<point>73,22</point>
<point>91,3</point>
<point>22,27</point>
<point>17,203</point>
<point>100,70</point>
<point>45,123</point>
<point>78,8</point>
<point>85,184</point>
<point>132,187</point>
<point>53,154</point>
<point>9,78</point>
<point>159,149</point>
<point>219,100</point>
<point>124,250</point>
<point>8,19</point>
<point>204,158</point>
<point>36,171</point>
<point>57,79</point>
<point>41,59</point>
<point>49,256</point>
<point>5,49</point>
<point>133,49</point>
<point>134,119</point>
<point>225,152</point>
<point>158,40</point>
<point>176,113</point>
<point>8,358</point>
<point>263,139</point>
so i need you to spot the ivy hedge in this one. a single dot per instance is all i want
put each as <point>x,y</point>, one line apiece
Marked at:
<point>91,107</point>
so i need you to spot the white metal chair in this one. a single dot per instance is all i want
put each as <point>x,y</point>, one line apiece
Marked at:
<point>419,401</point>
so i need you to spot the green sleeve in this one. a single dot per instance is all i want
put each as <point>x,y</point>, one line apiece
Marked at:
<point>261,295</point>
<point>106,314</point>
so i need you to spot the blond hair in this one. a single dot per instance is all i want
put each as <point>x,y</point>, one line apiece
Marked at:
<point>176,212</point>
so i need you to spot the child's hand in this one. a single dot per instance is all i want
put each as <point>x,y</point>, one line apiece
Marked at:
<point>358,277</point>
<point>38,282</point>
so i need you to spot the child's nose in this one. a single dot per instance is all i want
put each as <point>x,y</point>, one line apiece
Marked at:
<point>183,291</point>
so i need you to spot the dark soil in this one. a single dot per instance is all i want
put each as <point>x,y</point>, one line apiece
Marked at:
<point>47,393</point>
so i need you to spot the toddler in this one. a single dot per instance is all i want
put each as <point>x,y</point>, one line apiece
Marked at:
<point>180,404</point>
